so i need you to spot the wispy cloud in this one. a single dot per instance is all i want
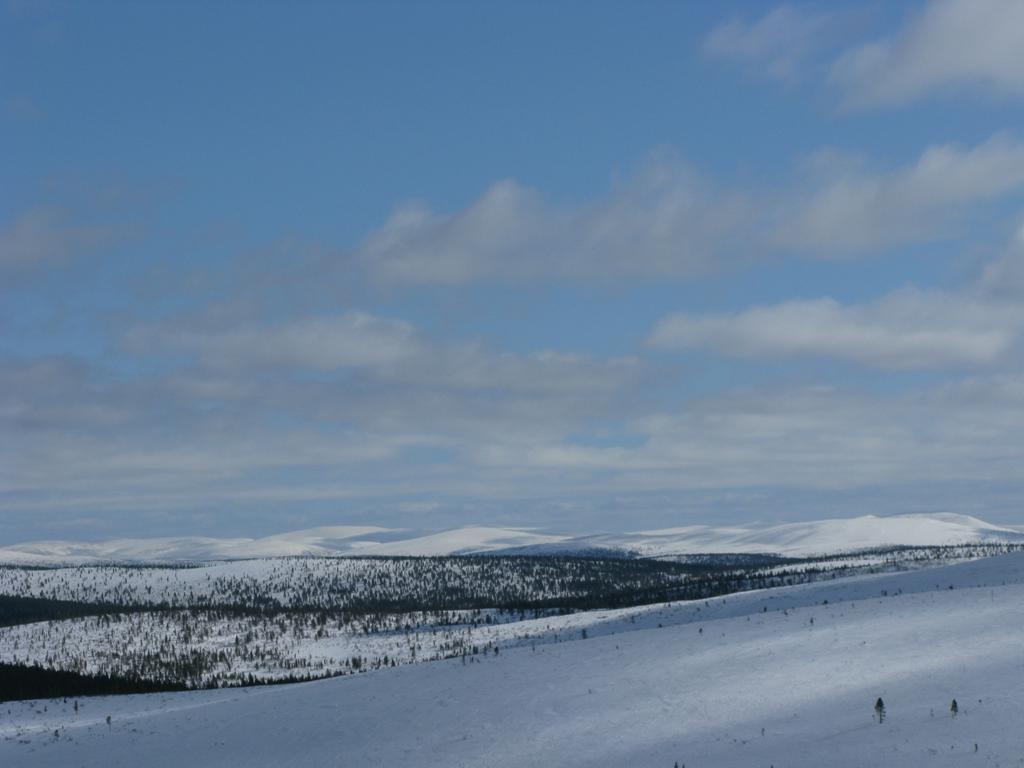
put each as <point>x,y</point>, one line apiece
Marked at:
<point>351,340</point>
<point>979,325</point>
<point>801,437</point>
<point>948,44</point>
<point>775,44</point>
<point>846,208</point>
<point>669,221</point>
<point>905,330</point>
<point>45,236</point>
<point>384,349</point>
<point>664,220</point>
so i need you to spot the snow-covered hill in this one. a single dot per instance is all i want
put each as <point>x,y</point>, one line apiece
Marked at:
<point>820,537</point>
<point>325,541</point>
<point>793,539</point>
<point>783,677</point>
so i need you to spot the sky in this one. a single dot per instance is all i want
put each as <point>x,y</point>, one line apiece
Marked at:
<point>577,266</point>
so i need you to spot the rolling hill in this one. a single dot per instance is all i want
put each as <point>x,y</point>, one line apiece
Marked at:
<point>800,539</point>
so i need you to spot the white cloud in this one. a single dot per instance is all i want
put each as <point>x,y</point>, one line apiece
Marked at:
<point>383,349</point>
<point>845,208</point>
<point>775,44</point>
<point>802,438</point>
<point>351,340</point>
<point>904,330</point>
<point>949,43</point>
<point>286,446</point>
<point>266,427</point>
<point>664,220</point>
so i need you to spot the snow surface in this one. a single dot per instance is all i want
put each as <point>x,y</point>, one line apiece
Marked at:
<point>698,689</point>
<point>820,537</point>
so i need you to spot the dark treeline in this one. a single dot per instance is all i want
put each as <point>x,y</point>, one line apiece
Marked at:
<point>22,682</point>
<point>19,682</point>
<point>24,610</point>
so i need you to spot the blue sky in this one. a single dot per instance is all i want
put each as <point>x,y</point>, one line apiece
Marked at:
<point>578,265</point>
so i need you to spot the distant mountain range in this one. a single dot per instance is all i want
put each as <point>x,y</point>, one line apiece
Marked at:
<point>819,537</point>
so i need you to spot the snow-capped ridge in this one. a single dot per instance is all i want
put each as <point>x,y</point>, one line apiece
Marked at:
<point>823,537</point>
<point>801,539</point>
<point>325,541</point>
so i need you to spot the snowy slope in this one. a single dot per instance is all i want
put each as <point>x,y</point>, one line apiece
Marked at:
<point>794,539</point>
<point>698,690</point>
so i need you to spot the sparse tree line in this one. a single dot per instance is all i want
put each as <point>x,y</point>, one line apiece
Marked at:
<point>198,648</point>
